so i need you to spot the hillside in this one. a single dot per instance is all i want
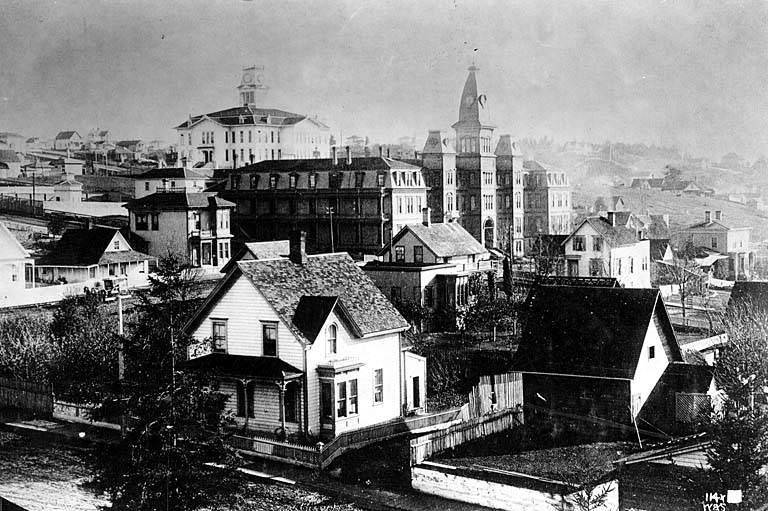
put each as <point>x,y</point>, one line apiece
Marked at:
<point>682,210</point>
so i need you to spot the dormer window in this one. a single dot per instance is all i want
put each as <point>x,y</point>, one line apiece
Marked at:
<point>313,181</point>
<point>359,179</point>
<point>380,180</point>
<point>273,181</point>
<point>292,181</point>
<point>235,178</point>
<point>254,181</point>
<point>332,345</point>
<point>335,180</point>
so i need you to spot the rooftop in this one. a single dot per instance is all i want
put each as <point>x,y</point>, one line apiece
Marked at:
<point>178,201</point>
<point>442,239</point>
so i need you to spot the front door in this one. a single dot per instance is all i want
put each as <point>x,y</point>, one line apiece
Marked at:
<point>206,251</point>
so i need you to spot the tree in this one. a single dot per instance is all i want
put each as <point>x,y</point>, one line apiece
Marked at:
<point>738,428</point>
<point>25,348</point>
<point>56,225</point>
<point>84,349</point>
<point>683,271</point>
<point>177,418</point>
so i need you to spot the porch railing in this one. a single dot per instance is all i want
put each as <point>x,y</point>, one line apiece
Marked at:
<point>297,454</point>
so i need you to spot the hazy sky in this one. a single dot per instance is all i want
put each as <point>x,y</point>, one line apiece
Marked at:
<point>693,74</point>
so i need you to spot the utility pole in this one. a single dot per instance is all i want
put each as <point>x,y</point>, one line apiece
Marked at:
<point>121,362</point>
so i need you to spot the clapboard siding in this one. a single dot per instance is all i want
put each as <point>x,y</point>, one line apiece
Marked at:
<point>245,308</point>
<point>265,406</point>
<point>380,352</point>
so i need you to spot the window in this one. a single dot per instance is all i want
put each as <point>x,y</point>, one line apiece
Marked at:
<point>400,254</point>
<point>272,136</point>
<point>359,179</point>
<point>254,181</point>
<point>597,244</point>
<point>273,181</point>
<point>378,386</point>
<point>313,181</point>
<point>595,267</point>
<point>578,243</point>
<point>472,202</point>
<point>714,242</point>
<point>142,222</point>
<point>418,254</point>
<point>146,186</point>
<point>380,180</point>
<point>651,352</point>
<point>235,181</point>
<point>269,339</point>
<point>341,399</point>
<point>155,221</point>
<point>241,136</point>
<point>352,384</point>
<point>250,136</point>
<point>219,335</point>
<point>226,137</point>
<point>332,340</point>
<point>631,265</point>
<point>116,245</point>
<point>292,181</point>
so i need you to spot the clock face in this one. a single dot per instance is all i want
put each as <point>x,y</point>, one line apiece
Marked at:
<point>248,77</point>
<point>468,100</point>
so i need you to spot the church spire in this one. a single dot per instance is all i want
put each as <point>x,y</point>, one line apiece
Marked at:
<point>469,108</point>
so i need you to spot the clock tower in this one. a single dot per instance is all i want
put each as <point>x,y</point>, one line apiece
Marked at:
<point>252,88</point>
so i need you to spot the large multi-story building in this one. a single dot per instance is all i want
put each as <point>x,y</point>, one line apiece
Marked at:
<point>248,133</point>
<point>483,188</point>
<point>343,204</point>
<point>547,202</point>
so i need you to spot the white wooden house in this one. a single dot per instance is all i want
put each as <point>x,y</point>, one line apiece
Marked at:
<point>306,343</point>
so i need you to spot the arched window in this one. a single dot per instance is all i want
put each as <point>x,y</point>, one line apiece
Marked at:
<point>332,339</point>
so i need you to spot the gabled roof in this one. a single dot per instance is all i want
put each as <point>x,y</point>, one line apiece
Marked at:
<point>442,239</point>
<point>66,135</point>
<point>170,173</point>
<point>283,283</point>
<point>87,247</point>
<point>313,311</point>
<point>10,248</point>
<point>179,201</point>
<point>259,250</point>
<point>590,331</point>
<point>616,236</point>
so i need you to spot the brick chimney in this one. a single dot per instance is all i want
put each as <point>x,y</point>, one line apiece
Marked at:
<point>335,156</point>
<point>349,156</point>
<point>707,216</point>
<point>298,247</point>
<point>426,214</point>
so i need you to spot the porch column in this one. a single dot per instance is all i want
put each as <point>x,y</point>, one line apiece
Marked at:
<point>281,390</point>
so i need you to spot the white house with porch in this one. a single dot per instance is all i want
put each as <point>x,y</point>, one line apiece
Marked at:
<point>306,344</point>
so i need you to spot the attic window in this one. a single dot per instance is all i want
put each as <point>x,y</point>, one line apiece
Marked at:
<point>273,181</point>
<point>380,180</point>
<point>313,181</point>
<point>651,352</point>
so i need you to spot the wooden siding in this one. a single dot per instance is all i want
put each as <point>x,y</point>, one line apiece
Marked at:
<point>648,371</point>
<point>496,392</point>
<point>245,309</point>
<point>265,406</point>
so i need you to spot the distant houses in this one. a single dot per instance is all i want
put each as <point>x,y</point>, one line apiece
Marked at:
<point>67,140</point>
<point>733,242</point>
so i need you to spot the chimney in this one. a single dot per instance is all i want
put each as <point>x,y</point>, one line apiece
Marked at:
<point>718,215</point>
<point>387,152</point>
<point>298,247</point>
<point>349,156</point>
<point>381,151</point>
<point>612,218</point>
<point>335,156</point>
<point>707,216</point>
<point>184,162</point>
<point>426,216</point>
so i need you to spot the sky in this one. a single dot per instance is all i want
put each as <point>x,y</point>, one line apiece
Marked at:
<point>689,73</point>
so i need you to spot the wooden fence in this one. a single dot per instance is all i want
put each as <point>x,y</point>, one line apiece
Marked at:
<point>426,446</point>
<point>496,392</point>
<point>26,396</point>
<point>22,206</point>
<point>297,454</point>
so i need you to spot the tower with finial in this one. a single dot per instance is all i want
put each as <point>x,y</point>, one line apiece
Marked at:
<point>476,162</point>
<point>252,89</point>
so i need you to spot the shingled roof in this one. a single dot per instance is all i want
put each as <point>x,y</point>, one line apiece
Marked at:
<point>181,201</point>
<point>250,115</point>
<point>616,235</point>
<point>590,331</point>
<point>87,247</point>
<point>442,239</point>
<point>66,135</point>
<point>325,278</point>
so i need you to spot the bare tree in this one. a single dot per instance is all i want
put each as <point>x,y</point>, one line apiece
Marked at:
<point>683,271</point>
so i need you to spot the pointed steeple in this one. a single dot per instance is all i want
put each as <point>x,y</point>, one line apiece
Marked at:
<point>469,108</point>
